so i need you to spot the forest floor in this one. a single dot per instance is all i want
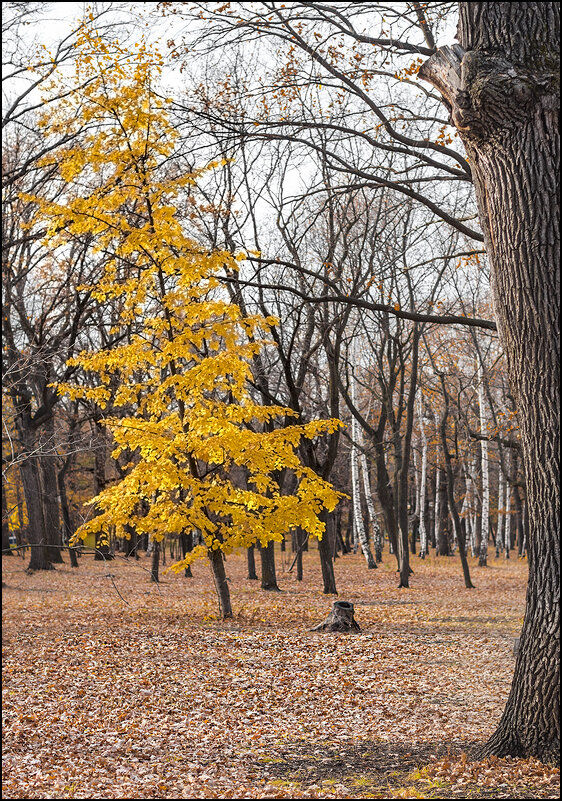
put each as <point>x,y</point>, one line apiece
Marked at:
<point>143,693</point>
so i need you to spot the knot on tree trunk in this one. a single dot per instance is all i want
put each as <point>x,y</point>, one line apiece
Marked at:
<point>340,619</point>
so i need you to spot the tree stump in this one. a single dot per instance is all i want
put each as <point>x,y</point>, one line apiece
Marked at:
<point>340,619</point>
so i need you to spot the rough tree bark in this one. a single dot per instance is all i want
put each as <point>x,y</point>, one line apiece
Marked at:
<point>502,87</point>
<point>268,574</point>
<point>31,481</point>
<point>340,619</point>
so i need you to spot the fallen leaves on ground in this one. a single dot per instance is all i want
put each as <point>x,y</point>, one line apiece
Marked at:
<point>143,693</point>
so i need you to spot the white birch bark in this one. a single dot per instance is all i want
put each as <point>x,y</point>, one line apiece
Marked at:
<point>474,498</point>
<point>437,502</point>
<point>423,482</point>
<point>466,509</point>
<point>483,555</point>
<point>359,533</point>
<point>375,528</point>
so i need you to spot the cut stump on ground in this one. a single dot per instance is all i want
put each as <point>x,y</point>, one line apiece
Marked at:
<point>340,619</point>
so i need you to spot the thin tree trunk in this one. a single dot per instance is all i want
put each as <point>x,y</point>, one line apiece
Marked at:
<point>507,523</point>
<point>6,550</point>
<point>251,556</point>
<point>450,490</point>
<point>102,539</point>
<point>485,530</point>
<point>501,512</point>
<point>68,530</point>
<point>466,511</point>
<point>325,549</point>
<point>404,468</point>
<point>423,482</point>
<point>216,559</point>
<point>376,529</point>
<point>360,534</point>
<point>442,544</point>
<point>155,561</point>
<point>436,505</point>
<point>186,545</point>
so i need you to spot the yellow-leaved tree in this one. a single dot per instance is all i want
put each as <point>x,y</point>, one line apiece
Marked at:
<point>205,456</point>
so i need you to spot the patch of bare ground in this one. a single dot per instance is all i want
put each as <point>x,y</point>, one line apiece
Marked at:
<point>118,688</point>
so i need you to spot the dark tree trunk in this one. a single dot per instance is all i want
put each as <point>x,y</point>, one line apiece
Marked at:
<point>517,529</point>
<point>404,466</point>
<point>268,576</point>
<point>450,489</point>
<point>49,495</point>
<point>6,550</point>
<point>298,539</point>
<point>67,528</point>
<point>131,544</point>
<point>155,561</point>
<point>29,471</point>
<point>325,549</point>
<point>505,103</point>
<point>186,544</point>
<point>442,544</point>
<point>478,534</point>
<point>251,552</point>
<point>431,541</point>
<point>386,498</point>
<point>221,584</point>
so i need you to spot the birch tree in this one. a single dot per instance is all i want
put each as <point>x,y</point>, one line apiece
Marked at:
<point>359,532</point>
<point>485,509</point>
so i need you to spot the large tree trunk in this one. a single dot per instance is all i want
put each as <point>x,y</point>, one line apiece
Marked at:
<point>503,93</point>
<point>31,480</point>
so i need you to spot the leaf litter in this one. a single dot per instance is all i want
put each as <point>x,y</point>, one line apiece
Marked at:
<point>156,698</point>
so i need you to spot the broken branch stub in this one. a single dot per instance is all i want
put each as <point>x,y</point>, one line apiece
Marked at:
<point>340,619</point>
